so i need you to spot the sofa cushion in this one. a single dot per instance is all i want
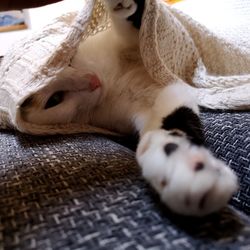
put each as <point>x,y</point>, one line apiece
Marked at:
<point>228,136</point>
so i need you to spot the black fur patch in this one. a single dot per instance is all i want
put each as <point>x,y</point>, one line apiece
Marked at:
<point>137,16</point>
<point>170,148</point>
<point>187,121</point>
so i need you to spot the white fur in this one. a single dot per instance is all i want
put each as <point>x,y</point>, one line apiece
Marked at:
<point>177,94</point>
<point>174,177</point>
<point>127,100</point>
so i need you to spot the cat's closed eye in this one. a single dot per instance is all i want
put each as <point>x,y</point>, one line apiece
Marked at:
<point>28,102</point>
<point>55,99</point>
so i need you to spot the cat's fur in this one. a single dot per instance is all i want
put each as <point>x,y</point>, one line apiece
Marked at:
<point>107,86</point>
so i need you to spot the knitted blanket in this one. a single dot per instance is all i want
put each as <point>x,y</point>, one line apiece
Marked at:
<point>173,46</point>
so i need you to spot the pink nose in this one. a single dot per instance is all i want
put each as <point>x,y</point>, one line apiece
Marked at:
<point>94,82</point>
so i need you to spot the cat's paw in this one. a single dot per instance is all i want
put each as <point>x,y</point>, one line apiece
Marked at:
<point>188,178</point>
<point>122,8</point>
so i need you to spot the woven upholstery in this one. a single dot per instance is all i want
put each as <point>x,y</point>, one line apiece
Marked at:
<point>86,192</point>
<point>228,136</point>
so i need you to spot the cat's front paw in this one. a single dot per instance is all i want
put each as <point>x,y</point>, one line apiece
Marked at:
<point>188,178</point>
<point>121,8</point>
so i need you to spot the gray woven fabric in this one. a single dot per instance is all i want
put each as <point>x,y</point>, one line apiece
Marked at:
<point>228,136</point>
<point>86,192</point>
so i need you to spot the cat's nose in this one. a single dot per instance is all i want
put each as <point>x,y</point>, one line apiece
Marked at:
<point>93,81</point>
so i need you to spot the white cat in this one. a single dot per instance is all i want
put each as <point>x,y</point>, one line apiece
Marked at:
<point>107,86</point>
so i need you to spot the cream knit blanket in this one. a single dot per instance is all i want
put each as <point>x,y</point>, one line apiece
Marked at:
<point>173,46</point>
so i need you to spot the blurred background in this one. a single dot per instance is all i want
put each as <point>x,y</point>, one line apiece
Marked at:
<point>35,19</point>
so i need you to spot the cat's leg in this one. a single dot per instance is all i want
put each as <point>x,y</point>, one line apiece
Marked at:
<point>173,158</point>
<point>126,16</point>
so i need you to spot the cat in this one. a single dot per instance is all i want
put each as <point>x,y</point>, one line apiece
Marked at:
<point>106,85</point>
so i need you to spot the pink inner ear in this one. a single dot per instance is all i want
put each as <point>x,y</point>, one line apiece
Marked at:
<point>94,82</point>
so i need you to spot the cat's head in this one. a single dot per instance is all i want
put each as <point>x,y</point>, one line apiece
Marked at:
<point>67,99</point>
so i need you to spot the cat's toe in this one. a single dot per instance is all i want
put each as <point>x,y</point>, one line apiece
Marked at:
<point>122,8</point>
<point>189,179</point>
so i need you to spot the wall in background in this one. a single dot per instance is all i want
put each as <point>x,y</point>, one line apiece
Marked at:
<point>37,18</point>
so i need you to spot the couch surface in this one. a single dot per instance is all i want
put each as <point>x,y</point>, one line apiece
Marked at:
<point>86,192</point>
